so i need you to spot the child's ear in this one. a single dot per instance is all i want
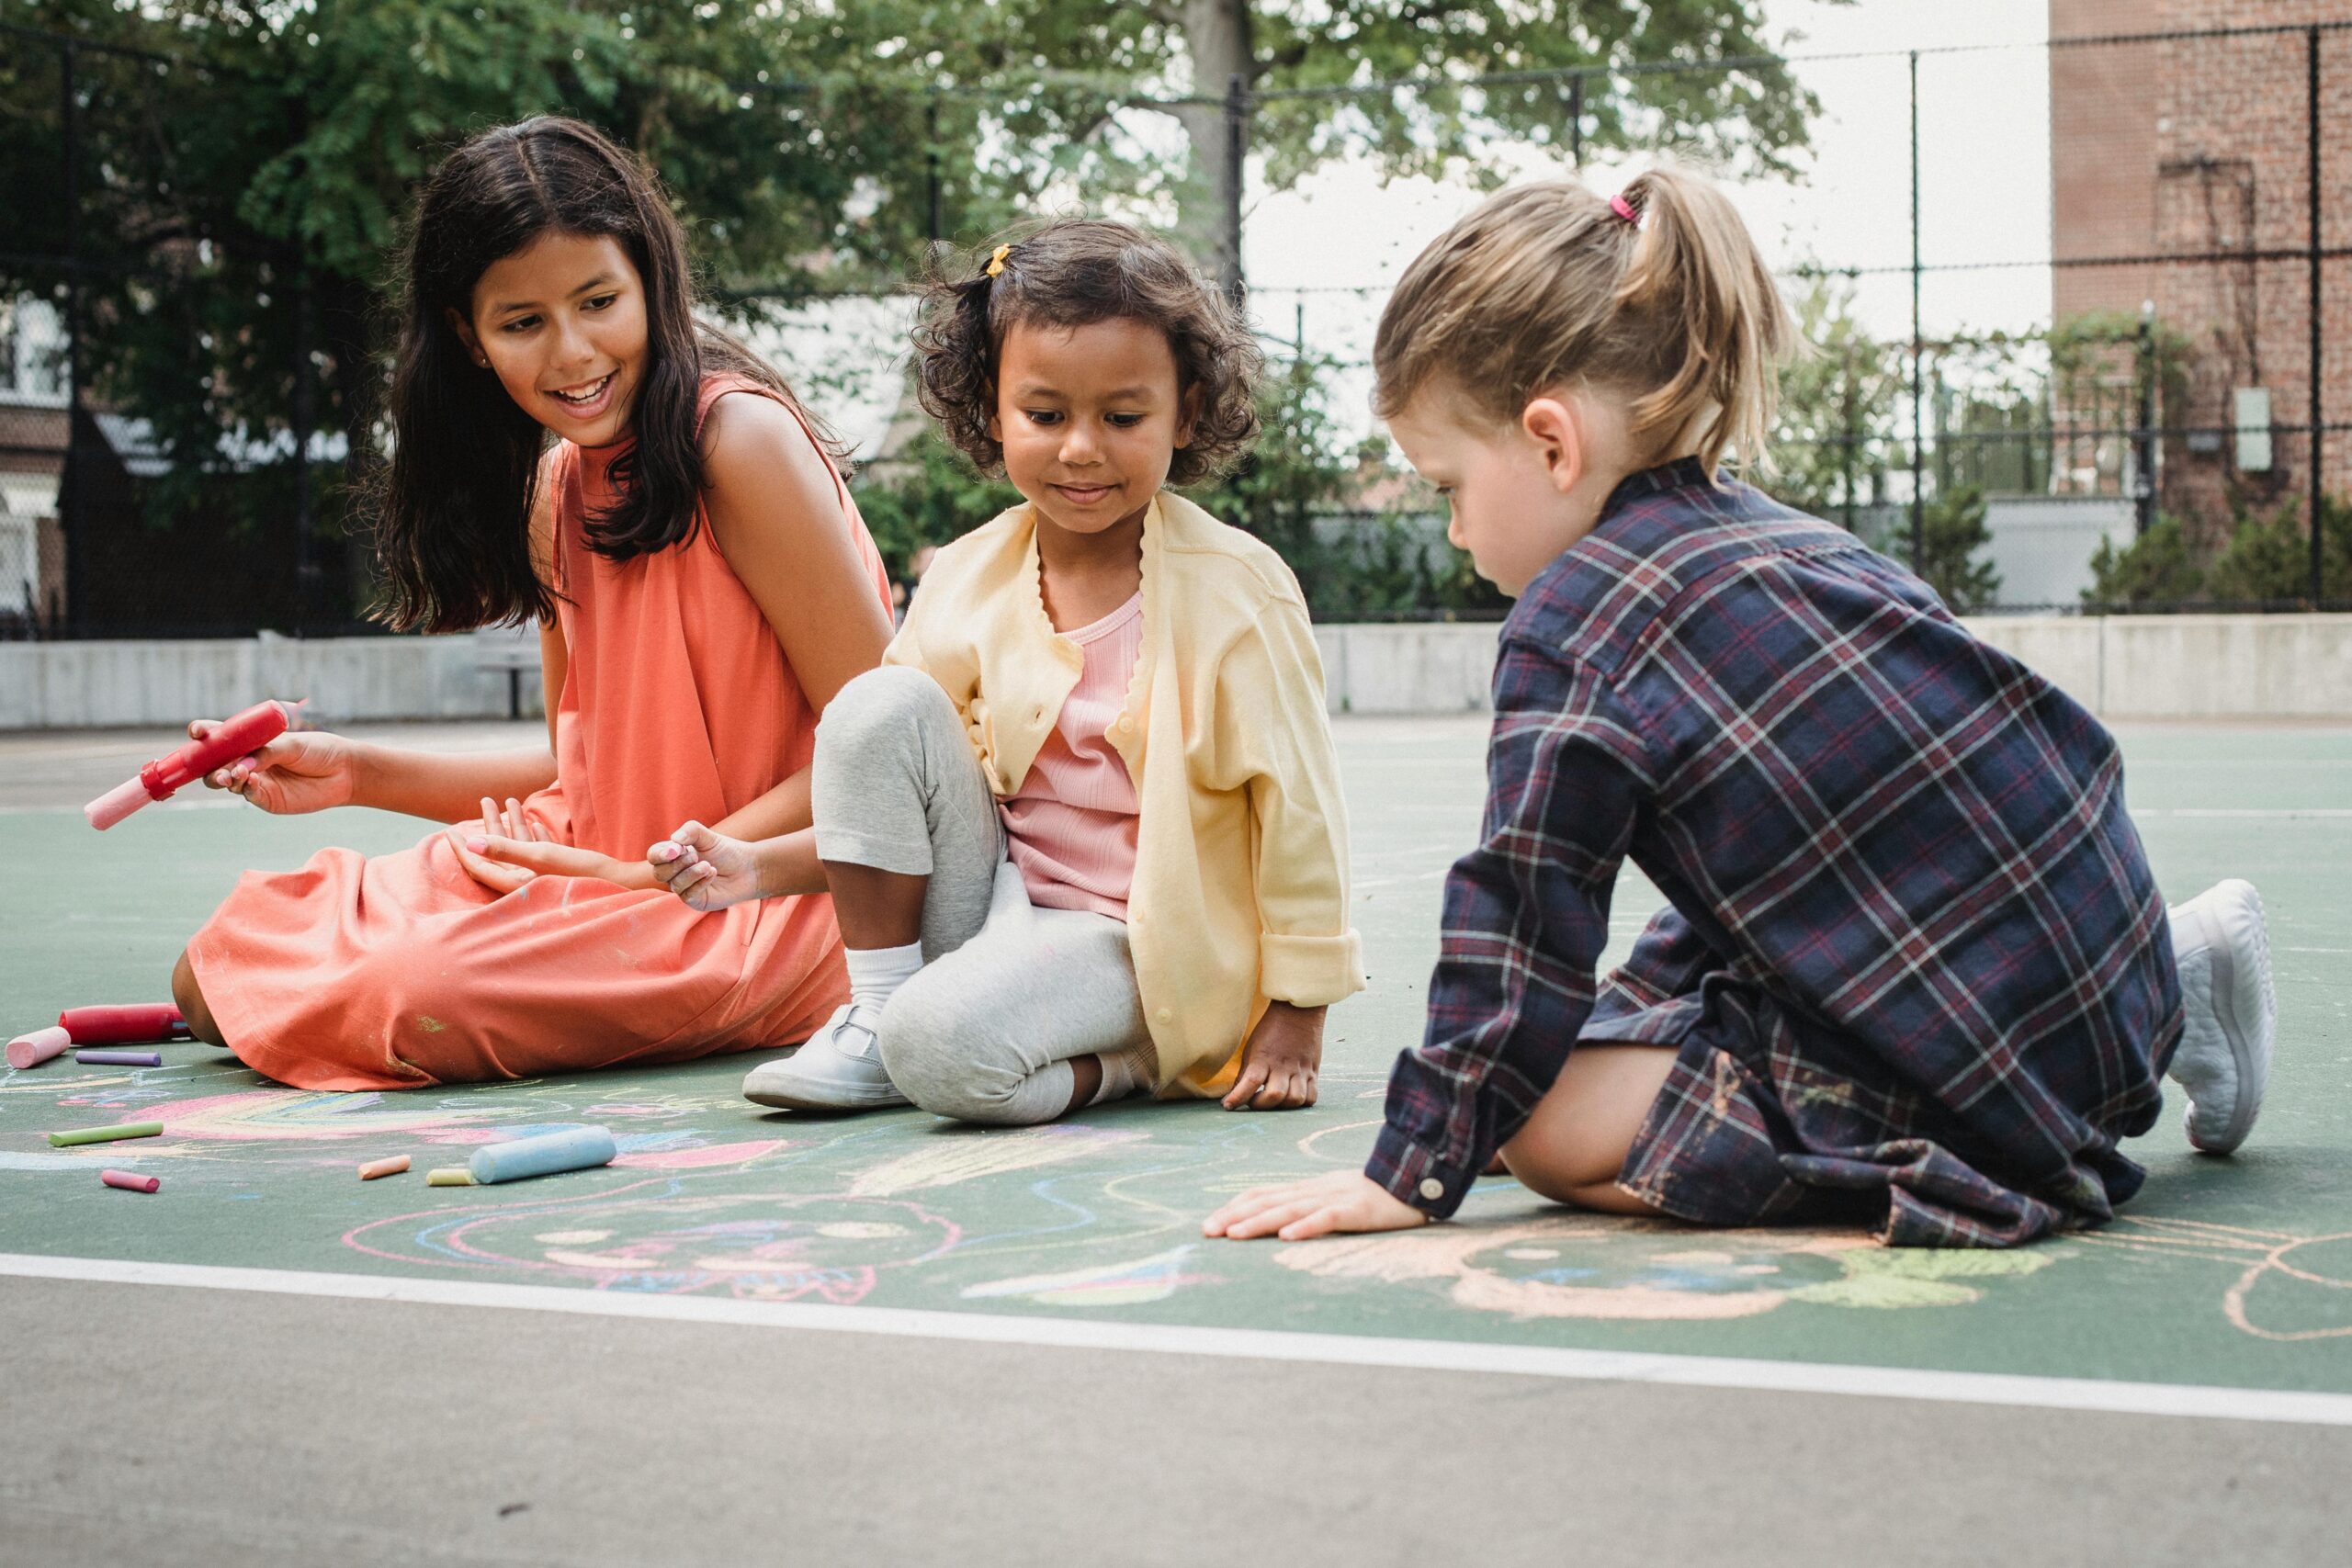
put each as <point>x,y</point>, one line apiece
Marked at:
<point>1188,415</point>
<point>465,331</point>
<point>1558,433</point>
<point>996,419</point>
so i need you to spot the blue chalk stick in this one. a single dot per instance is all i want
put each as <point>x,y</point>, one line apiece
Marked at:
<point>549,1152</point>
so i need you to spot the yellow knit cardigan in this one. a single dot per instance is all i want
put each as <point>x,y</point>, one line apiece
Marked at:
<point>1240,889</point>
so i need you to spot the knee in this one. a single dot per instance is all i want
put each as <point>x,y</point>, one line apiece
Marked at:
<point>190,999</point>
<point>887,701</point>
<point>927,1049</point>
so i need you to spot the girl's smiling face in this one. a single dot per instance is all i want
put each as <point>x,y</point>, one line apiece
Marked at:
<point>1089,418</point>
<point>561,323</point>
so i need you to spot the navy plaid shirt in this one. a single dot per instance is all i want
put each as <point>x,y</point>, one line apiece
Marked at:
<point>1916,958</point>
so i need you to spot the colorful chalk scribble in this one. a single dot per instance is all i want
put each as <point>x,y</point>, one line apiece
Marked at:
<point>1133,1283</point>
<point>1588,1267</point>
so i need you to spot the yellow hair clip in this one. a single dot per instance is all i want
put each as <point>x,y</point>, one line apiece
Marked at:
<point>996,261</point>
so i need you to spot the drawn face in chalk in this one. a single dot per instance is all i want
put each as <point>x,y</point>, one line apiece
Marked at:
<point>1652,1277</point>
<point>758,1245</point>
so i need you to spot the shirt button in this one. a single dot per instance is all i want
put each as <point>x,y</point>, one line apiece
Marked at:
<point>1164,1014</point>
<point>1432,1188</point>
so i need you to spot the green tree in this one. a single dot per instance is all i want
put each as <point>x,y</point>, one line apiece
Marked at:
<point>1955,532</point>
<point>1832,439</point>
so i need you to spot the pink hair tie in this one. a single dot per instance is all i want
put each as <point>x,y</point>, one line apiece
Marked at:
<point>1624,209</point>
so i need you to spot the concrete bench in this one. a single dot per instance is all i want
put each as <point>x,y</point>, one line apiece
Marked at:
<point>499,650</point>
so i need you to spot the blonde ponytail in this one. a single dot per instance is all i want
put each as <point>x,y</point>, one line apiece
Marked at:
<point>1548,284</point>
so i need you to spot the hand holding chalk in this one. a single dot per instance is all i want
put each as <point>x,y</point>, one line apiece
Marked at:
<point>708,871</point>
<point>211,746</point>
<point>300,771</point>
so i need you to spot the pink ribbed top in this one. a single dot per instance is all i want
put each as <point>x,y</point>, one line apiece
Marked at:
<point>1072,825</point>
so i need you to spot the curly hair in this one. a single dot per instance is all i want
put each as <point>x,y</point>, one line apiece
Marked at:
<point>1074,273</point>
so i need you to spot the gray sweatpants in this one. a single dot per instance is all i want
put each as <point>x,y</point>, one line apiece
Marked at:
<point>1008,992</point>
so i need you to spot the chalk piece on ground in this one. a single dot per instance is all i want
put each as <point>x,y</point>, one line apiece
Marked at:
<point>375,1167</point>
<point>120,1058</point>
<point>130,1182</point>
<point>106,1134</point>
<point>577,1148</point>
<point>41,1045</point>
<point>449,1176</point>
<point>131,1023</point>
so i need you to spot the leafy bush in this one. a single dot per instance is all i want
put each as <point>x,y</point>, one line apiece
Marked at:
<point>2154,569</point>
<point>2269,559</point>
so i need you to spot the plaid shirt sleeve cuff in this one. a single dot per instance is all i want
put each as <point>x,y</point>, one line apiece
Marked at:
<point>1413,1175</point>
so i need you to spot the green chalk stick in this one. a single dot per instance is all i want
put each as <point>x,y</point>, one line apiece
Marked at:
<point>449,1176</point>
<point>105,1134</point>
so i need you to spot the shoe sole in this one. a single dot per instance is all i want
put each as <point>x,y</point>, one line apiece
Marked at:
<point>792,1102</point>
<point>2246,1003</point>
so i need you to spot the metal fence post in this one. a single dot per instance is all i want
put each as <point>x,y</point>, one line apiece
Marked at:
<point>930,169</point>
<point>1576,120</point>
<point>1918,351</point>
<point>2319,493</point>
<point>70,510</point>
<point>307,574</point>
<point>2143,439</point>
<point>1236,143</point>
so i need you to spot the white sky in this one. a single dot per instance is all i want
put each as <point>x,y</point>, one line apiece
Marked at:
<point>1984,185</point>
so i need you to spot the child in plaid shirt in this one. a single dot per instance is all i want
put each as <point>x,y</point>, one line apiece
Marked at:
<point>1914,972</point>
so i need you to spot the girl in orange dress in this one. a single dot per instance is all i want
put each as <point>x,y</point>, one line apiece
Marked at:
<point>703,585</point>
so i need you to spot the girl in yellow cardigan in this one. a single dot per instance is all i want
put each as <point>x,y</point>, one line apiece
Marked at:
<point>1083,829</point>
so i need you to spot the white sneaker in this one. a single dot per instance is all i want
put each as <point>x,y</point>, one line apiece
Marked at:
<point>837,1068</point>
<point>2222,945</point>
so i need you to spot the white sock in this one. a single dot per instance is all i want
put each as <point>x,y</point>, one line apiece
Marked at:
<point>1130,1071</point>
<point>1044,1094</point>
<point>876,973</point>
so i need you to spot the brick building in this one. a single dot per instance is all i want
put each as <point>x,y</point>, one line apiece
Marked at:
<point>2199,147</point>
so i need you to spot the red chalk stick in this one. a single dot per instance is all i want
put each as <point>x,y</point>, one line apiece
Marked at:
<point>126,1024</point>
<point>163,777</point>
<point>41,1045</point>
<point>128,1182</point>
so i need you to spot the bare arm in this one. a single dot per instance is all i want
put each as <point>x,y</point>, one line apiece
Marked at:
<point>308,771</point>
<point>778,520</point>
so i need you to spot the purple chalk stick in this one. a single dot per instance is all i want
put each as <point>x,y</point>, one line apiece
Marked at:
<point>120,1058</point>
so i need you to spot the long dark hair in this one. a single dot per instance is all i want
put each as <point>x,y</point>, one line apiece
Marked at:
<point>453,529</point>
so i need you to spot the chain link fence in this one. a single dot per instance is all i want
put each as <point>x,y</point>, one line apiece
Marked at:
<point>183,429</point>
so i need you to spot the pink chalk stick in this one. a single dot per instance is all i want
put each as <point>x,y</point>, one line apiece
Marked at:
<point>41,1045</point>
<point>117,804</point>
<point>128,1182</point>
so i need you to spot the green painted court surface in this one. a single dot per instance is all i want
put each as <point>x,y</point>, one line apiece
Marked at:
<point>2224,1273</point>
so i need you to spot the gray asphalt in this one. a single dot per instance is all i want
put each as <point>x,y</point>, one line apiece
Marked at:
<point>166,1424</point>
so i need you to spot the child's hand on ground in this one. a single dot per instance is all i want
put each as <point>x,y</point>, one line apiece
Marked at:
<point>1279,1064</point>
<point>510,849</point>
<point>296,772</point>
<point>708,870</point>
<point>1336,1201</point>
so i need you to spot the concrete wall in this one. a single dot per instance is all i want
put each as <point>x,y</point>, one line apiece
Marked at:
<point>74,685</point>
<point>2119,667</point>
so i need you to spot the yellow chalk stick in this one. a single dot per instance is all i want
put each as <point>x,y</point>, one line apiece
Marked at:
<point>449,1176</point>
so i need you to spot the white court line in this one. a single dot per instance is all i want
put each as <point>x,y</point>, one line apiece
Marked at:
<point>2247,813</point>
<point>1247,1344</point>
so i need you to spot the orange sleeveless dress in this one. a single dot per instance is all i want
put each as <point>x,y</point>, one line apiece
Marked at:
<point>402,971</point>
